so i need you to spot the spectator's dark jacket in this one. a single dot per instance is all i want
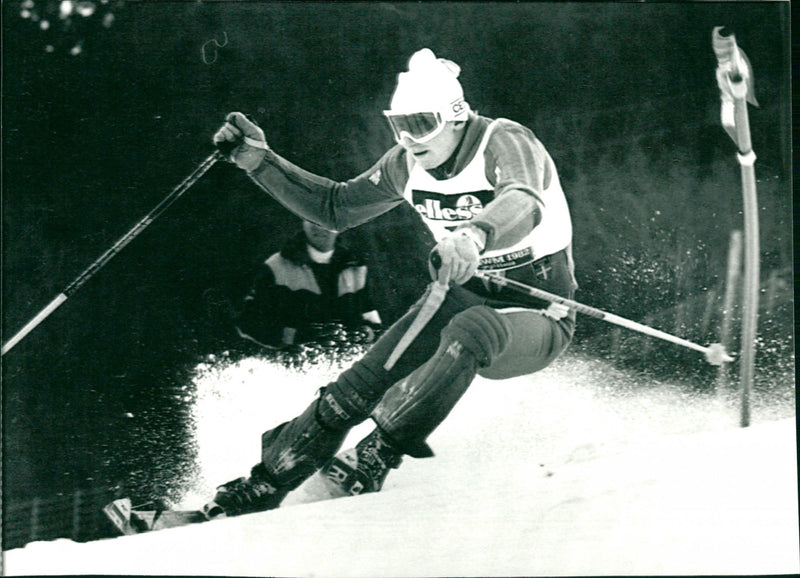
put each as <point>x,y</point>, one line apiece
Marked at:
<point>292,292</point>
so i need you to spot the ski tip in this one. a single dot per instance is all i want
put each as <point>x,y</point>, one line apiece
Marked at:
<point>119,512</point>
<point>129,519</point>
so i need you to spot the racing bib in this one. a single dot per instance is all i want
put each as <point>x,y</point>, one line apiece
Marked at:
<point>445,204</point>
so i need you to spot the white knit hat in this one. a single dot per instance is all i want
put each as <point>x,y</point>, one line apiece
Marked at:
<point>430,85</point>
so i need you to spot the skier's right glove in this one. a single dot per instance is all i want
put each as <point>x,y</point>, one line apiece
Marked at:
<point>242,141</point>
<point>455,258</point>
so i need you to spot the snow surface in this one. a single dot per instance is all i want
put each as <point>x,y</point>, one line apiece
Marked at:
<point>580,469</point>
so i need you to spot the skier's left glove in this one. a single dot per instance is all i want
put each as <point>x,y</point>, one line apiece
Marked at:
<point>457,256</point>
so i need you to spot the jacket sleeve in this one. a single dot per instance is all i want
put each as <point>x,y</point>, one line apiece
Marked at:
<point>335,205</point>
<point>520,168</point>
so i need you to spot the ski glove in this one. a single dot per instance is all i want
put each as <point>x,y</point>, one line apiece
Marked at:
<point>242,140</point>
<point>455,258</point>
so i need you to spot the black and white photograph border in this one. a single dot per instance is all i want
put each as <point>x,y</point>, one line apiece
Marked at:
<point>662,441</point>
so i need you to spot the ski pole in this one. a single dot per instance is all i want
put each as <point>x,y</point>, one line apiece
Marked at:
<point>173,196</point>
<point>436,295</point>
<point>428,309</point>
<point>715,353</point>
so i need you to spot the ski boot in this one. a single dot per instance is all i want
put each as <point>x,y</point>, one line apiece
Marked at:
<point>363,469</point>
<point>245,495</point>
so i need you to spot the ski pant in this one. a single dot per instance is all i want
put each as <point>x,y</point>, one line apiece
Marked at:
<point>464,337</point>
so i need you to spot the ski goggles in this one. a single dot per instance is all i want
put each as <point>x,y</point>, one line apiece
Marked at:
<point>419,126</point>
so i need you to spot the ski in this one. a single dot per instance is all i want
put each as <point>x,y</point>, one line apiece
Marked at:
<point>131,520</point>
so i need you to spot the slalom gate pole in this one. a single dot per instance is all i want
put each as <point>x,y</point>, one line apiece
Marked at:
<point>715,354</point>
<point>735,81</point>
<point>173,196</point>
<point>729,301</point>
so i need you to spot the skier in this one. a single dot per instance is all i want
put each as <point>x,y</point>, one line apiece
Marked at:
<point>312,281</point>
<point>489,192</point>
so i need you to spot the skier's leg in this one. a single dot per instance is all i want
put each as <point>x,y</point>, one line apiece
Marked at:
<point>290,453</point>
<point>413,407</point>
<point>294,450</point>
<point>351,398</point>
<point>538,340</point>
<point>508,343</point>
<point>496,344</point>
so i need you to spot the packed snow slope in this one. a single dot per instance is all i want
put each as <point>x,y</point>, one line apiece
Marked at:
<point>578,470</point>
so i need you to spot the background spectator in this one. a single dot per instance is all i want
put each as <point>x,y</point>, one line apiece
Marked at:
<point>313,281</point>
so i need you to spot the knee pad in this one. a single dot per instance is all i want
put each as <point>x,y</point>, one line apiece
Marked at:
<point>482,331</point>
<point>342,408</point>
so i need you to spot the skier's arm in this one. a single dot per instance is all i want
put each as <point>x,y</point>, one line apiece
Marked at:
<point>520,168</point>
<point>334,205</point>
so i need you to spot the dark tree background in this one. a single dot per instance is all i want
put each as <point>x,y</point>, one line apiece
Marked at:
<point>622,94</point>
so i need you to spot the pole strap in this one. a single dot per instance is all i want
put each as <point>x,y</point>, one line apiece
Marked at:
<point>259,144</point>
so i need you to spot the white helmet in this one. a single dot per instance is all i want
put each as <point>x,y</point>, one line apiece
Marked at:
<point>431,88</point>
